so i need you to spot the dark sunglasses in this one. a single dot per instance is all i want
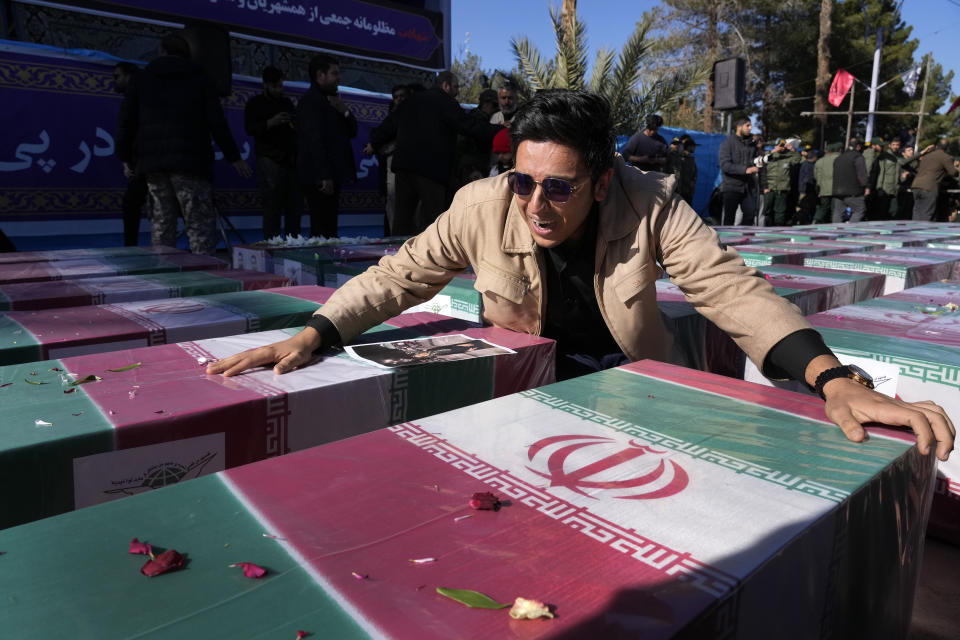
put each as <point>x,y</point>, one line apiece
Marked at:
<point>554,189</point>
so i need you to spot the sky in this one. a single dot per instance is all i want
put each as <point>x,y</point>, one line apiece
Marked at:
<point>485,28</point>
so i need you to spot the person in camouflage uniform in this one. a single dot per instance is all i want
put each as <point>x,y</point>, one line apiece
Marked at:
<point>674,157</point>
<point>885,180</point>
<point>687,171</point>
<point>777,196</point>
<point>823,175</point>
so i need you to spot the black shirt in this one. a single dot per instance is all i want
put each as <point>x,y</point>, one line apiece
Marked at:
<point>640,144</point>
<point>277,143</point>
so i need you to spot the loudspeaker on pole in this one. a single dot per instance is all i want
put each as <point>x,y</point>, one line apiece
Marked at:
<point>729,83</point>
<point>210,48</point>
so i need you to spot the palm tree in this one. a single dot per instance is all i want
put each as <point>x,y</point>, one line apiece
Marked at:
<point>632,91</point>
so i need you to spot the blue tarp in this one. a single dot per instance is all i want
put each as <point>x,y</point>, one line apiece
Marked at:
<point>708,164</point>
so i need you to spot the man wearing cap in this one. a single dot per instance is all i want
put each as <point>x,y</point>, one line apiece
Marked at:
<point>647,150</point>
<point>935,165</point>
<point>567,246</point>
<point>823,174</point>
<point>850,183</point>
<point>777,197</point>
<point>503,152</point>
<point>886,182</point>
<point>687,178</point>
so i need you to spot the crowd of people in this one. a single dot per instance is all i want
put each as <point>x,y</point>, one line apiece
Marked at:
<point>795,184</point>
<point>427,147</point>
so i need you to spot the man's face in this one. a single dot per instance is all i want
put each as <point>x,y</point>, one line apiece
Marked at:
<point>553,223</point>
<point>894,147</point>
<point>329,81</point>
<point>451,88</point>
<point>489,108</point>
<point>908,152</point>
<point>273,89</point>
<point>508,100</point>
<point>743,130</point>
<point>120,81</point>
<point>399,96</point>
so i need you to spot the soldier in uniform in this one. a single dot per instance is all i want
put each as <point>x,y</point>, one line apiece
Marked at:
<point>687,174</point>
<point>885,179</point>
<point>823,175</point>
<point>777,196</point>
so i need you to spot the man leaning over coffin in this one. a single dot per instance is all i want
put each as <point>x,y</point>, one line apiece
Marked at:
<point>567,246</point>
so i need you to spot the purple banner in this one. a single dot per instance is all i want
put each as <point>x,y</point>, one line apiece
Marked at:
<point>351,26</point>
<point>57,157</point>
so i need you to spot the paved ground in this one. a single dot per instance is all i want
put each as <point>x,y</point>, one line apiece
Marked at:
<point>936,609</point>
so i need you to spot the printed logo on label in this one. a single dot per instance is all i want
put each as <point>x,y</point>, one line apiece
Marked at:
<point>603,467</point>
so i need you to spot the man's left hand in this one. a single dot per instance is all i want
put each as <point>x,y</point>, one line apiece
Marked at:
<point>337,104</point>
<point>850,405</point>
<point>242,168</point>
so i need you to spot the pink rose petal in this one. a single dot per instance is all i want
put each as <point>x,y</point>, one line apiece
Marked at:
<point>169,560</point>
<point>141,548</point>
<point>251,570</point>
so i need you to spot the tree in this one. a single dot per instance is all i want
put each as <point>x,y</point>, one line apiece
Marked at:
<point>632,89</point>
<point>823,66</point>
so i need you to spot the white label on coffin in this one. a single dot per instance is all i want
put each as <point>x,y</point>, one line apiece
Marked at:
<point>123,288</point>
<point>749,518</point>
<point>116,474</point>
<point>357,399</point>
<point>439,304</point>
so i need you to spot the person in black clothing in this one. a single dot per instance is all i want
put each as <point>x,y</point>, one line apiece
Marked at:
<point>647,150</point>
<point>425,128</point>
<point>739,184</point>
<point>268,117</point>
<point>168,115</point>
<point>135,195</point>
<point>850,184</point>
<point>324,155</point>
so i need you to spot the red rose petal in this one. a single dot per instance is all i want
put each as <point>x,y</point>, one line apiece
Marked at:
<point>167,561</point>
<point>141,548</point>
<point>302,634</point>
<point>485,501</point>
<point>251,570</point>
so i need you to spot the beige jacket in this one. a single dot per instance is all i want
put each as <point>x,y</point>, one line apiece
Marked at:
<point>642,222</point>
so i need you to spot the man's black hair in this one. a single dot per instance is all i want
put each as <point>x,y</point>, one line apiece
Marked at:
<point>488,96</point>
<point>322,63</point>
<point>653,122</point>
<point>173,44</point>
<point>444,77</point>
<point>127,68</point>
<point>577,119</point>
<point>741,120</point>
<point>942,143</point>
<point>272,74</point>
<point>416,87</point>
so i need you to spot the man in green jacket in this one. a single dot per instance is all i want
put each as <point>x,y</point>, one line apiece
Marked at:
<point>823,174</point>
<point>885,179</point>
<point>780,170</point>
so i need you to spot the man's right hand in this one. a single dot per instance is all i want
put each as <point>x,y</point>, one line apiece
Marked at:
<point>285,355</point>
<point>751,170</point>
<point>281,118</point>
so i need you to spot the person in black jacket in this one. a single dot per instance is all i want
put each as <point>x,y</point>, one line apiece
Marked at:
<point>739,185</point>
<point>135,195</point>
<point>850,183</point>
<point>325,161</point>
<point>169,113</point>
<point>425,128</point>
<point>268,117</point>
